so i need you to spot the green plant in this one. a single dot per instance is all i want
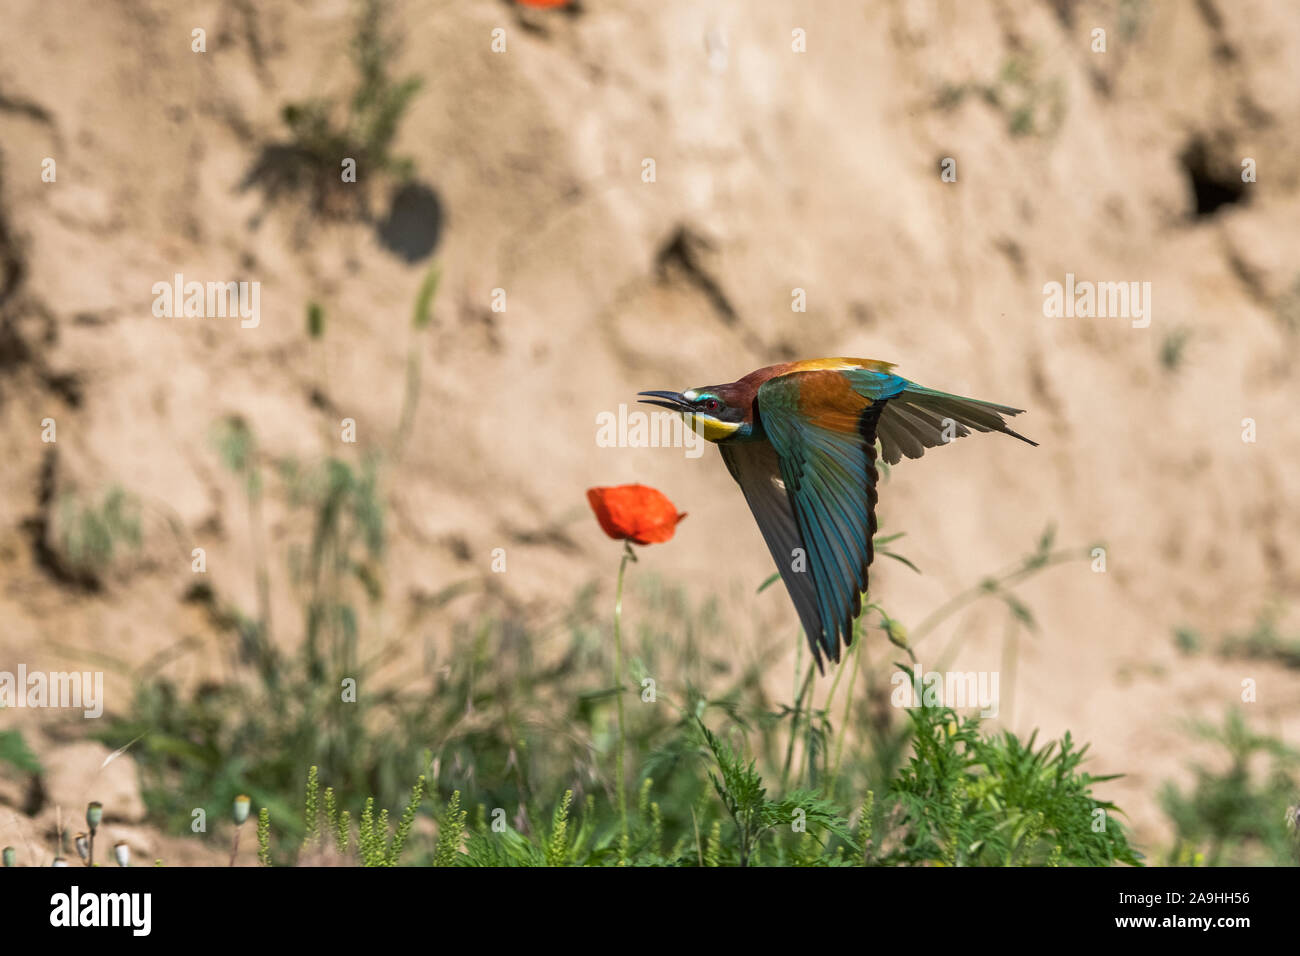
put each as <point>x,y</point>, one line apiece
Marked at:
<point>325,132</point>
<point>1240,814</point>
<point>394,849</point>
<point>311,812</point>
<point>1173,348</point>
<point>15,752</point>
<point>91,535</point>
<point>451,829</point>
<point>237,447</point>
<point>1263,640</point>
<point>741,790</point>
<point>965,799</point>
<point>1032,106</point>
<point>557,850</point>
<point>264,836</point>
<point>701,798</point>
<point>421,318</point>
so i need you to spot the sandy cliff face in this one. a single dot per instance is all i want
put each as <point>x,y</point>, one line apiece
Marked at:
<point>774,171</point>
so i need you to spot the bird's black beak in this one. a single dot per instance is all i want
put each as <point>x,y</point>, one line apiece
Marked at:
<point>669,400</point>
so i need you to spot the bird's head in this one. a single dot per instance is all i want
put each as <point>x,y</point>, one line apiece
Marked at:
<point>716,412</point>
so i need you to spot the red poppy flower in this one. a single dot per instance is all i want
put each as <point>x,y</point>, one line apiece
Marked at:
<point>542,3</point>
<point>638,512</point>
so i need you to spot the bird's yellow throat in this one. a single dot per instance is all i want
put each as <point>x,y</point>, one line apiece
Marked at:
<point>710,428</point>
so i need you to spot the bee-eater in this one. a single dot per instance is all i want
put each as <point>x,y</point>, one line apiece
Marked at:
<point>800,440</point>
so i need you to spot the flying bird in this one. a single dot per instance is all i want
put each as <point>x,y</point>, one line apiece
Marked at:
<point>800,440</point>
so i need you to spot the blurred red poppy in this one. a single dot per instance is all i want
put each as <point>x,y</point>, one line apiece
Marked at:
<point>636,512</point>
<point>542,3</point>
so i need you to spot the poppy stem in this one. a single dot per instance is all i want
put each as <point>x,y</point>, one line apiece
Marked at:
<point>619,782</point>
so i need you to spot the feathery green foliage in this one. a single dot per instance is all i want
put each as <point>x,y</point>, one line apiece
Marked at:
<point>1033,106</point>
<point>394,850</point>
<point>753,815</point>
<point>864,829</point>
<point>1239,815</point>
<point>264,836</point>
<point>966,799</point>
<point>713,848</point>
<point>90,535</point>
<point>331,812</point>
<point>324,131</point>
<point>422,317</point>
<point>15,752</point>
<point>311,815</point>
<point>343,835</point>
<point>367,839</point>
<point>423,312</point>
<point>451,830</point>
<point>558,848</point>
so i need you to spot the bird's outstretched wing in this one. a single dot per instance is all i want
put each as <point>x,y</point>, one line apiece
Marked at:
<point>757,470</point>
<point>918,418</point>
<point>823,432</point>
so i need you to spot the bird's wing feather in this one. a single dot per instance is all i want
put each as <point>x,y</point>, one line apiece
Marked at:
<point>756,469</point>
<point>917,418</point>
<point>823,430</point>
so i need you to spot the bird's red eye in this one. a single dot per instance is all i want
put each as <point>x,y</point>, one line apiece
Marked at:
<point>711,405</point>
